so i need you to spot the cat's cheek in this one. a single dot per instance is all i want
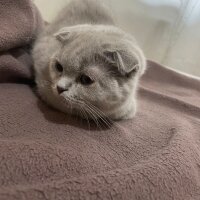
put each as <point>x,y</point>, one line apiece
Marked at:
<point>87,90</point>
<point>87,94</point>
<point>54,89</point>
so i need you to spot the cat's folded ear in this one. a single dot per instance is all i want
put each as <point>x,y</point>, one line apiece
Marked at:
<point>127,62</point>
<point>63,34</point>
<point>66,33</point>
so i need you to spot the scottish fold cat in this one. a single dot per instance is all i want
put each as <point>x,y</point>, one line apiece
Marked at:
<point>85,65</point>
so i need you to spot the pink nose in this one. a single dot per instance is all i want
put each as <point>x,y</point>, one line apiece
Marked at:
<point>61,89</point>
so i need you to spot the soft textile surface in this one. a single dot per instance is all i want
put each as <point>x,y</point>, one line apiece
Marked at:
<point>20,23</point>
<point>45,154</point>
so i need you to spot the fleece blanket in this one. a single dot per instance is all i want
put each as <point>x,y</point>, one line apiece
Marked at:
<point>47,155</point>
<point>20,23</point>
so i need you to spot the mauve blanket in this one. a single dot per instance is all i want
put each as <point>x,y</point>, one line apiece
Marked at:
<point>20,23</point>
<point>47,155</point>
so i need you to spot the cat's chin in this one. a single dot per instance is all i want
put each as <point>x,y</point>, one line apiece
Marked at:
<point>77,108</point>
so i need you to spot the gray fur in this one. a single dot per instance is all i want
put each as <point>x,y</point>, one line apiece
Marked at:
<point>85,40</point>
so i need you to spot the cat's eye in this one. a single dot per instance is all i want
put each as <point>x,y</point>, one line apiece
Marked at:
<point>85,80</point>
<point>59,67</point>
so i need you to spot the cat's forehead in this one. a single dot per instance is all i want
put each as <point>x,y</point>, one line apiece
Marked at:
<point>86,49</point>
<point>83,46</point>
<point>89,62</point>
<point>80,56</point>
<point>89,42</point>
<point>76,60</point>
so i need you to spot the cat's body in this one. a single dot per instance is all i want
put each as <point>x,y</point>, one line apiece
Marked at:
<point>85,65</point>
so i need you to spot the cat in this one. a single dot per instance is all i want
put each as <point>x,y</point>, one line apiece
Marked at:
<point>87,66</point>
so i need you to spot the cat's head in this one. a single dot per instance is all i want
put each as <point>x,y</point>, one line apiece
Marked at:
<point>96,70</point>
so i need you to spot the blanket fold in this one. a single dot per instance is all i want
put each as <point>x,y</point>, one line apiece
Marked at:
<point>20,23</point>
<point>47,155</point>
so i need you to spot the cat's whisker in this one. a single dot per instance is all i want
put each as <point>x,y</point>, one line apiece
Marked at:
<point>100,116</point>
<point>108,120</point>
<point>86,117</point>
<point>94,118</point>
<point>82,116</point>
<point>93,114</point>
<point>70,107</point>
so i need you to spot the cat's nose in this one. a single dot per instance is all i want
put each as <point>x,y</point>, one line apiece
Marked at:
<point>61,89</point>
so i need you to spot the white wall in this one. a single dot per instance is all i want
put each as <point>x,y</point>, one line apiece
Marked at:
<point>167,30</point>
<point>49,8</point>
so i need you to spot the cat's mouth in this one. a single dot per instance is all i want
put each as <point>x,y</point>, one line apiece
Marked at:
<point>73,102</point>
<point>83,109</point>
<point>78,107</point>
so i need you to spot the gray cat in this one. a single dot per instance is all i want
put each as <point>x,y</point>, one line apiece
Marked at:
<point>85,65</point>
